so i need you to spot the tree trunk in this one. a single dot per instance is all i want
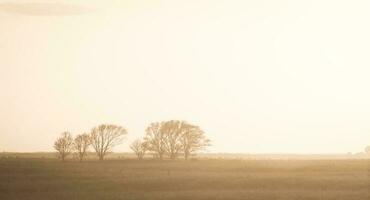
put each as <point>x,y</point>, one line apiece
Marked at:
<point>160,156</point>
<point>101,157</point>
<point>173,156</point>
<point>186,155</point>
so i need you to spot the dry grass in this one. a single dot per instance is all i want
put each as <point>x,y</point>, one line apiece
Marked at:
<point>25,178</point>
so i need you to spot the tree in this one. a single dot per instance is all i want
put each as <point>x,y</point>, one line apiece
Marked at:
<point>173,131</point>
<point>139,147</point>
<point>105,137</point>
<point>81,145</point>
<point>64,145</point>
<point>155,139</point>
<point>193,140</point>
<point>174,137</point>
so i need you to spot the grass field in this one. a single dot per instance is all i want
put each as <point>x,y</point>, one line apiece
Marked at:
<point>38,179</point>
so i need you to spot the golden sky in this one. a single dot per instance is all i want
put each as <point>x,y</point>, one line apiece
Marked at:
<point>258,76</point>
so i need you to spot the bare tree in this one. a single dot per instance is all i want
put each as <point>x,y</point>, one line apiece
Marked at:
<point>174,137</point>
<point>155,139</point>
<point>105,137</point>
<point>64,145</point>
<point>139,147</point>
<point>193,140</point>
<point>173,131</point>
<point>81,145</point>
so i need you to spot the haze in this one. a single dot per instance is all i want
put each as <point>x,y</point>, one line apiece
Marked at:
<point>257,76</point>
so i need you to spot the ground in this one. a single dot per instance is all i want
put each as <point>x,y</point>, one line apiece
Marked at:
<point>45,178</point>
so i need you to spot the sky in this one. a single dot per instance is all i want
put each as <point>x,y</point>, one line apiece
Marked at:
<point>260,76</point>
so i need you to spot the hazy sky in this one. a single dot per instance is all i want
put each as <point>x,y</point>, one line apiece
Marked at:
<point>258,76</point>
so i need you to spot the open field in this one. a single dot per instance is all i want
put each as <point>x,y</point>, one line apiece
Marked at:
<point>38,179</point>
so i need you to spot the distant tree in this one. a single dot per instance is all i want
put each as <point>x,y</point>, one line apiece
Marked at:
<point>105,137</point>
<point>81,145</point>
<point>155,139</point>
<point>173,131</point>
<point>367,150</point>
<point>193,140</point>
<point>175,137</point>
<point>64,145</point>
<point>139,147</point>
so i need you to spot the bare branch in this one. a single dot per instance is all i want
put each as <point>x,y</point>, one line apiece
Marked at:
<point>81,145</point>
<point>139,147</point>
<point>64,145</point>
<point>105,137</point>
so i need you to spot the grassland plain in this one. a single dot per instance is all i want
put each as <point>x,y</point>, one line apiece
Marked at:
<point>127,179</point>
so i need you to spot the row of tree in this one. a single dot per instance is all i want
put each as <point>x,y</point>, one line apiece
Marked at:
<point>102,138</point>
<point>172,138</point>
<point>168,138</point>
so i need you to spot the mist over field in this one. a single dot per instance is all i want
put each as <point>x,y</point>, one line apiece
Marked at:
<point>196,99</point>
<point>257,76</point>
